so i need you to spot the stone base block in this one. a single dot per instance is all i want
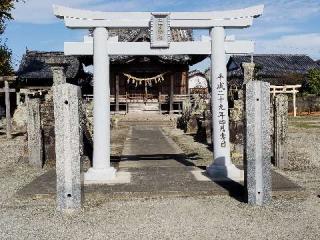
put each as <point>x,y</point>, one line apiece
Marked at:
<point>121,177</point>
<point>99,176</point>
<point>225,172</point>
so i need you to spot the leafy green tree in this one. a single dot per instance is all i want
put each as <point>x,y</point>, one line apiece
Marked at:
<point>314,81</point>
<point>6,7</point>
<point>5,60</point>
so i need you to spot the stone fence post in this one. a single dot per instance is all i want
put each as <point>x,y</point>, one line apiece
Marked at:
<point>68,146</point>
<point>35,146</point>
<point>257,142</point>
<point>280,136</point>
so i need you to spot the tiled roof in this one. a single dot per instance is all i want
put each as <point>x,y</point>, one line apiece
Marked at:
<point>273,65</point>
<point>34,65</point>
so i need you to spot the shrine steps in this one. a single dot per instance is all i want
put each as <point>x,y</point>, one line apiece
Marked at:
<point>147,119</point>
<point>143,107</point>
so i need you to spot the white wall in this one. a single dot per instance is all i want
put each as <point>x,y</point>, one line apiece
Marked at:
<point>197,82</point>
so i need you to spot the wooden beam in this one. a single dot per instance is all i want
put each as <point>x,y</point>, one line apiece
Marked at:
<point>62,12</point>
<point>7,78</point>
<point>10,90</point>
<point>143,48</point>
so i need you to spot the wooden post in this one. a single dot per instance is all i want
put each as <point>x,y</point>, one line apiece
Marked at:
<point>171,93</point>
<point>159,99</point>
<point>8,116</point>
<point>117,93</point>
<point>18,98</point>
<point>294,103</point>
<point>127,104</point>
<point>274,92</point>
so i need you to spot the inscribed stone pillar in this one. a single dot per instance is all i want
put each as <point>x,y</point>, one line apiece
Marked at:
<point>248,72</point>
<point>35,146</point>
<point>281,131</point>
<point>59,74</point>
<point>222,166</point>
<point>257,142</point>
<point>68,142</point>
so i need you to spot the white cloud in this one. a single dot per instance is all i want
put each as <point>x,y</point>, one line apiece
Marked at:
<point>286,11</point>
<point>261,30</point>
<point>40,11</point>
<point>292,44</point>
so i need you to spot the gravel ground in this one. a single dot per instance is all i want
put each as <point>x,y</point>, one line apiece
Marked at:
<point>216,217</point>
<point>14,171</point>
<point>184,218</point>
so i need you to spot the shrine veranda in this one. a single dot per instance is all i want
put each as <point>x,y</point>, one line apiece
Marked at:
<point>102,47</point>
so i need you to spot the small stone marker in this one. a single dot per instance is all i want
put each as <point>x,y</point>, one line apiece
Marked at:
<point>281,131</point>
<point>68,141</point>
<point>248,72</point>
<point>257,142</point>
<point>35,147</point>
<point>58,73</point>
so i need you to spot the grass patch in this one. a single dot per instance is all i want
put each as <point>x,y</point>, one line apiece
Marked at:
<point>305,125</point>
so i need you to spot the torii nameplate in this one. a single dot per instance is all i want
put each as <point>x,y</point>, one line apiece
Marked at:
<point>160,30</point>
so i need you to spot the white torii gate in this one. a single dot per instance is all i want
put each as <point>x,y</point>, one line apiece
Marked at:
<point>101,47</point>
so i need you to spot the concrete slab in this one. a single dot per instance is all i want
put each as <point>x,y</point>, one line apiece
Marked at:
<point>203,176</point>
<point>121,177</point>
<point>158,169</point>
<point>144,141</point>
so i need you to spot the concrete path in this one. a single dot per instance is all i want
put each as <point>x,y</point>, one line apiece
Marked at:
<point>148,146</point>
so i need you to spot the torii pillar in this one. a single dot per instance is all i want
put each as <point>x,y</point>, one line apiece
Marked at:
<point>222,166</point>
<point>101,170</point>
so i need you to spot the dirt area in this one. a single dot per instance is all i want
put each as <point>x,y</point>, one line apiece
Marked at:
<point>303,150</point>
<point>196,217</point>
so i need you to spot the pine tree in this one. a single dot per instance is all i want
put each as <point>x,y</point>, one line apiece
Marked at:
<point>6,7</point>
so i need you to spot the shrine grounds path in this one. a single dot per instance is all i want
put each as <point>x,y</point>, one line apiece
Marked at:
<point>289,216</point>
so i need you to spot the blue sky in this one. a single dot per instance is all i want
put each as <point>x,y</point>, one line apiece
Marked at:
<point>287,26</point>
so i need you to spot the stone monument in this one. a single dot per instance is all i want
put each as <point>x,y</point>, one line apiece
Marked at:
<point>257,142</point>
<point>68,141</point>
<point>281,131</point>
<point>35,146</point>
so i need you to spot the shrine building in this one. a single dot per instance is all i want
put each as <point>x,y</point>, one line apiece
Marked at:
<point>137,83</point>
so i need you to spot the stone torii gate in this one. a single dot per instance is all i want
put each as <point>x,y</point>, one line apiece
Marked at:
<point>101,47</point>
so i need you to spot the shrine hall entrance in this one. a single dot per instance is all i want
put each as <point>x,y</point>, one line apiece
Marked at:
<point>148,88</point>
<point>144,90</point>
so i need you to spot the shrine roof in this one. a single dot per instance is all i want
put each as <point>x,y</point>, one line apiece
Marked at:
<point>35,65</point>
<point>196,73</point>
<point>278,69</point>
<point>143,34</point>
<point>273,64</point>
